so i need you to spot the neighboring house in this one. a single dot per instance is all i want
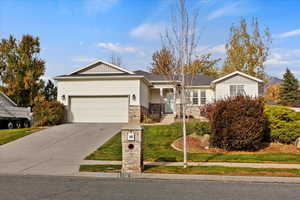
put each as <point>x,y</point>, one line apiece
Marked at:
<point>11,115</point>
<point>103,92</point>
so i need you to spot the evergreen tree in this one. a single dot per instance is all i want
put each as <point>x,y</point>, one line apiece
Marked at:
<point>289,93</point>
<point>50,91</point>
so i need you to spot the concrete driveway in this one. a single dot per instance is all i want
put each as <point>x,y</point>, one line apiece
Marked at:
<point>54,151</point>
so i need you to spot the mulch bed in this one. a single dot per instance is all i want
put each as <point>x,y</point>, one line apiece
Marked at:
<point>195,146</point>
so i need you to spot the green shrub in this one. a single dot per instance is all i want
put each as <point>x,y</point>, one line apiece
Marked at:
<point>284,124</point>
<point>48,113</point>
<point>202,128</point>
<point>281,113</point>
<point>238,123</point>
<point>286,132</point>
<point>198,128</point>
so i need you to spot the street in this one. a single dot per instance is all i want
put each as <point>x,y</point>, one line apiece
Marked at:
<point>73,188</point>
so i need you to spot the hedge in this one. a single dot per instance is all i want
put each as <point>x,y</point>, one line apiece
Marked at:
<point>48,113</point>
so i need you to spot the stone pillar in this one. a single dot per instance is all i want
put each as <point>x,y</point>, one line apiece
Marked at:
<point>132,148</point>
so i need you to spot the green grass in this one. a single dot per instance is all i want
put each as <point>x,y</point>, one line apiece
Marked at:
<point>158,141</point>
<point>210,170</point>
<point>9,135</point>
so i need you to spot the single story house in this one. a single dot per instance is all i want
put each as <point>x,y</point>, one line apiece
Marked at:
<point>103,92</point>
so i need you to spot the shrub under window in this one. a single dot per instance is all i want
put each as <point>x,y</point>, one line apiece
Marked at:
<point>238,123</point>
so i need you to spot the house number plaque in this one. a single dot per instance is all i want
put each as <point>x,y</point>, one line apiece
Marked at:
<point>130,137</point>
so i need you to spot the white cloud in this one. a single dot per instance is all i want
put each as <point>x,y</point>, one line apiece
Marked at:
<point>290,33</point>
<point>116,47</point>
<point>284,58</point>
<point>233,8</point>
<point>148,30</point>
<point>218,49</point>
<point>226,10</point>
<point>96,6</point>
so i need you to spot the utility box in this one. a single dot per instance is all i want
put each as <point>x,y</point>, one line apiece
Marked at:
<point>132,148</point>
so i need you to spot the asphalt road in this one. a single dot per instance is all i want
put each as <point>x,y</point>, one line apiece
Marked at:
<point>74,188</point>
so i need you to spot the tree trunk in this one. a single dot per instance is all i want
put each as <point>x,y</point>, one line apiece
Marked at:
<point>184,127</point>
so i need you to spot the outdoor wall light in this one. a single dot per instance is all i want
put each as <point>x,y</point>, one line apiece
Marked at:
<point>63,97</point>
<point>133,97</point>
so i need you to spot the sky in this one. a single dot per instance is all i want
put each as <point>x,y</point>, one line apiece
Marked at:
<point>74,33</point>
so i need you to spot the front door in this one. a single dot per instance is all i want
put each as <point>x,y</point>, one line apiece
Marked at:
<point>169,102</point>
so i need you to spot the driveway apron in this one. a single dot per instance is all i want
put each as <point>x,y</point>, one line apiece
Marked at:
<point>55,151</point>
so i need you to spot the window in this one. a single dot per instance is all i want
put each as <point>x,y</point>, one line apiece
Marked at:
<point>195,98</point>
<point>236,90</point>
<point>203,97</point>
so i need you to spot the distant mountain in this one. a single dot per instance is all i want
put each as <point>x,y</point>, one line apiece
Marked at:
<point>273,80</point>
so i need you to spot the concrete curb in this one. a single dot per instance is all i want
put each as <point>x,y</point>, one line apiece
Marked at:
<point>225,164</point>
<point>258,179</point>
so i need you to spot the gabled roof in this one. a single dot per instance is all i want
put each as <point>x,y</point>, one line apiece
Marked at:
<point>197,80</point>
<point>6,97</point>
<point>95,63</point>
<point>237,73</point>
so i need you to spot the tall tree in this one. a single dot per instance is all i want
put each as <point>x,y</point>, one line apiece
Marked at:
<point>205,65</point>
<point>21,68</point>
<point>50,91</point>
<point>247,50</point>
<point>162,62</point>
<point>289,93</point>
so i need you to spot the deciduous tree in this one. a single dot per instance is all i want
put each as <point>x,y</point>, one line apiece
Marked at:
<point>21,68</point>
<point>205,65</point>
<point>247,50</point>
<point>273,93</point>
<point>162,62</point>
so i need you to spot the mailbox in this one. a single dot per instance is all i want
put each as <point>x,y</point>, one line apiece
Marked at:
<point>132,148</point>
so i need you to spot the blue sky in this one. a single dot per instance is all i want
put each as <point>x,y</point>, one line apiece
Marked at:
<point>76,32</point>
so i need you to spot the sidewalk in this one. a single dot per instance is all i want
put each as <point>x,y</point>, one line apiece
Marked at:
<point>225,164</point>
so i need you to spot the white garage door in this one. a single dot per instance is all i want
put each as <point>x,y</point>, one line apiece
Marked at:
<point>99,109</point>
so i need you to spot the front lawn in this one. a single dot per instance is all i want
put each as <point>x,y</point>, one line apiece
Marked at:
<point>158,140</point>
<point>8,135</point>
<point>209,170</point>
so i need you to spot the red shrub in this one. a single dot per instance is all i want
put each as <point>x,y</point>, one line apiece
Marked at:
<point>238,123</point>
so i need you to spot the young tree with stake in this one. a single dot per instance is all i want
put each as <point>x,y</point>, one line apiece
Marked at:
<point>181,40</point>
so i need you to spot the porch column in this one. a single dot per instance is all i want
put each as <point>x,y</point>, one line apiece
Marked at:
<point>174,93</point>
<point>161,99</point>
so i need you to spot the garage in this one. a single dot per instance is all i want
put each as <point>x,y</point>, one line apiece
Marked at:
<point>99,109</point>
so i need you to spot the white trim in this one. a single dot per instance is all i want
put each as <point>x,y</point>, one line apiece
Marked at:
<point>100,61</point>
<point>235,73</point>
<point>66,78</point>
<point>11,101</point>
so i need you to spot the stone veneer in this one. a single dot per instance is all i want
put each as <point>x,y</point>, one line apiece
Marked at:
<point>137,113</point>
<point>191,111</point>
<point>132,149</point>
